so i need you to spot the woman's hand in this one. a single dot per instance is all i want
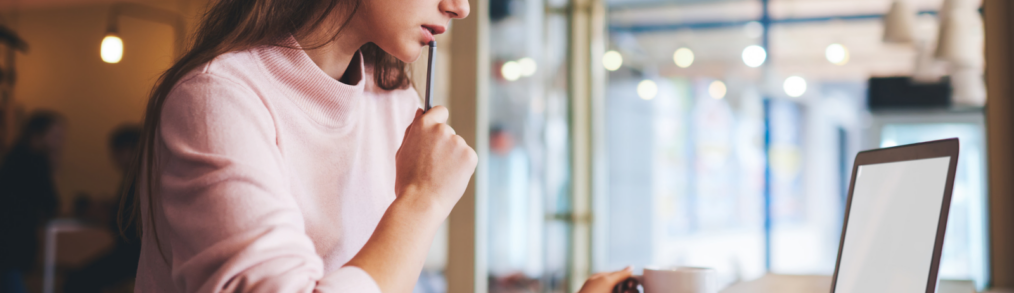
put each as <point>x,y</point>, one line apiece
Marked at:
<point>434,163</point>
<point>604,282</point>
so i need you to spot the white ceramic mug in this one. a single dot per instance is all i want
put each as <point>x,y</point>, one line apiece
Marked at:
<point>679,280</point>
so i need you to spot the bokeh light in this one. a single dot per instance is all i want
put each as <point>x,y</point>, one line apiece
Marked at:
<point>612,60</point>
<point>112,49</point>
<point>717,89</point>
<point>683,57</point>
<point>754,56</point>
<point>511,70</point>
<point>753,29</point>
<point>528,66</point>
<point>794,86</point>
<point>647,89</point>
<point>837,54</point>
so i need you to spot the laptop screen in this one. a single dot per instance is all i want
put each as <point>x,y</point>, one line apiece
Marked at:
<point>892,226</point>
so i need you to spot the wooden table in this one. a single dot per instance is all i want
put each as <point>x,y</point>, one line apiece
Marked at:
<point>820,284</point>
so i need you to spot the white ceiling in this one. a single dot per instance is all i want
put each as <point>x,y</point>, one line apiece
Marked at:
<point>716,11</point>
<point>795,49</point>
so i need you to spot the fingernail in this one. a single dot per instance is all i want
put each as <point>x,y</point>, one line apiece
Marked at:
<point>628,268</point>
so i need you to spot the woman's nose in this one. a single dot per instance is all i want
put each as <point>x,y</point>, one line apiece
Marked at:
<point>455,8</point>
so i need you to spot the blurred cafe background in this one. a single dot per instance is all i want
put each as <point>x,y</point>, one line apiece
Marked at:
<point>707,133</point>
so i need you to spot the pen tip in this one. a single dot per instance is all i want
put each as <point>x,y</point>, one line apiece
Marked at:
<point>433,43</point>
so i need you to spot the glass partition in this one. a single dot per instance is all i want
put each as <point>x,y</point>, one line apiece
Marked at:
<point>686,178</point>
<point>529,150</point>
<point>965,253</point>
<point>731,127</point>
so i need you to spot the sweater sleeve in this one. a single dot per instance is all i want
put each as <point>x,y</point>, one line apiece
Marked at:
<point>231,223</point>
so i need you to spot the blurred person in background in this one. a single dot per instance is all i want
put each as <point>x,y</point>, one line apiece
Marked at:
<point>119,265</point>
<point>28,197</point>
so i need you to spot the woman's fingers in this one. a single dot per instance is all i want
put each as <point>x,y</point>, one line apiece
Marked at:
<point>446,129</point>
<point>618,276</point>
<point>605,282</point>
<point>436,114</point>
<point>415,120</point>
<point>433,161</point>
<point>418,113</point>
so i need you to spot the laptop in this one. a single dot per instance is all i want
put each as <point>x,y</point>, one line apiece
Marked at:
<point>895,219</point>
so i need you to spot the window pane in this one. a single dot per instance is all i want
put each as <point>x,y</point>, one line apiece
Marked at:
<point>730,145</point>
<point>686,178</point>
<point>964,254</point>
<point>528,196</point>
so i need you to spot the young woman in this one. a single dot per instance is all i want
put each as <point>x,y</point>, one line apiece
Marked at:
<point>286,152</point>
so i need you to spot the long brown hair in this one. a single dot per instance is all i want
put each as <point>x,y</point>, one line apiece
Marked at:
<point>235,25</point>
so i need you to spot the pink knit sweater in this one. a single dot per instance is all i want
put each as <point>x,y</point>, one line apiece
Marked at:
<point>273,176</point>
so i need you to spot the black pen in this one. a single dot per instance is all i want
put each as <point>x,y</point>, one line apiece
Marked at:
<point>429,76</point>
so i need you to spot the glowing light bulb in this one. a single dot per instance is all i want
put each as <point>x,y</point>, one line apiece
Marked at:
<point>612,60</point>
<point>111,50</point>
<point>647,89</point>
<point>528,66</point>
<point>837,54</point>
<point>754,56</point>
<point>794,86</point>
<point>683,57</point>
<point>717,89</point>
<point>511,71</point>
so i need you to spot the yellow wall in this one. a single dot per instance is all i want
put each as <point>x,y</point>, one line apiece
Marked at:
<point>62,71</point>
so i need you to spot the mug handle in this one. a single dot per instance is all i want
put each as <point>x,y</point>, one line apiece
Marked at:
<point>629,285</point>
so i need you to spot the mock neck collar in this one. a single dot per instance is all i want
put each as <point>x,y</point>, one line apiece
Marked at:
<point>328,101</point>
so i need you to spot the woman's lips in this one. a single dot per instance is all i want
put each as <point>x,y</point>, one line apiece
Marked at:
<point>427,34</point>
<point>435,28</point>
<point>430,30</point>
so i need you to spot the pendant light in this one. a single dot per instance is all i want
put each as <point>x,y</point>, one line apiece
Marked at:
<point>961,36</point>
<point>111,48</point>
<point>899,23</point>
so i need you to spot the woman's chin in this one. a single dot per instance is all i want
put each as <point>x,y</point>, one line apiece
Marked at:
<point>406,52</point>
<point>410,55</point>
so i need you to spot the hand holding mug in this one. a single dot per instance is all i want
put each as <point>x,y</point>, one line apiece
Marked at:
<point>605,282</point>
